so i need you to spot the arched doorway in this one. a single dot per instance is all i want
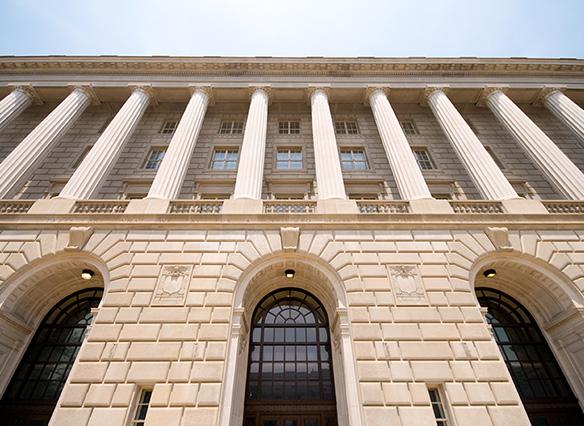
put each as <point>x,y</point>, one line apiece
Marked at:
<point>34,390</point>
<point>290,377</point>
<point>543,389</point>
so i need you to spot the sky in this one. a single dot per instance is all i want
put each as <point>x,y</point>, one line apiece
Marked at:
<point>438,28</point>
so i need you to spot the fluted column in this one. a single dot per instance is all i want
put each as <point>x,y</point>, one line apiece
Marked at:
<point>173,169</point>
<point>481,167</point>
<point>17,166</point>
<point>13,104</point>
<point>566,110</point>
<point>102,157</point>
<point>329,177</point>
<point>250,171</point>
<point>407,174</point>
<point>558,168</point>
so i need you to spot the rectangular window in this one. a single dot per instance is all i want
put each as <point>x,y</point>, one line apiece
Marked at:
<point>438,407</point>
<point>346,128</point>
<point>289,127</point>
<point>353,159</point>
<point>81,156</point>
<point>423,158</point>
<point>494,157</point>
<point>154,159</point>
<point>142,408</point>
<point>168,127</point>
<point>231,128</point>
<point>224,159</point>
<point>409,127</point>
<point>289,159</point>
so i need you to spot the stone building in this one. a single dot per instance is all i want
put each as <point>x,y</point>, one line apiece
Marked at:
<point>291,241</point>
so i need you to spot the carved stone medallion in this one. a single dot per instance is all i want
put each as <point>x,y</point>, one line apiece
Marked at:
<point>407,285</point>
<point>173,284</point>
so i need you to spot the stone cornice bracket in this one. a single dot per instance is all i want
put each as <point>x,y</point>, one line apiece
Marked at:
<point>500,238</point>
<point>545,92</point>
<point>266,88</point>
<point>88,90</point>
<point>372,89</point>
<point>488,91</point>
<point>207,88</point>
<point>429,90</point>
<point>29,91</point>
<point>326,88</point>
<point>146,88</point>
<point>78,236</point>
<point>290,237</point>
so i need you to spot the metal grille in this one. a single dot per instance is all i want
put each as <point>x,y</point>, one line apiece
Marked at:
<point>535,372</point>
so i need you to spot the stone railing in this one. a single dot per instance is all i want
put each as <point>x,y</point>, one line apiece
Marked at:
<point>289,206</point>
<point>195,207</point>
<point>15,206</point>
<point>564,207</point>
<point>100,206</point>
<point>386,207</point>
<point>477,207</point>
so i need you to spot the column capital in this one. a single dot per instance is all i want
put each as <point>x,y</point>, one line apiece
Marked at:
<point>370,90</point>
<point>88,90</point>
<point>487,92</point>
<point>206,89</point>
<point>545,92</point>
<point>430,90</point>
<point>29,91</point>
<point>266,88</point>
<point>146,89</point>
<point>313,88</point>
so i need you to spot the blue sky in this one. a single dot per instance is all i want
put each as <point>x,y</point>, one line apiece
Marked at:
<point>534,28</point>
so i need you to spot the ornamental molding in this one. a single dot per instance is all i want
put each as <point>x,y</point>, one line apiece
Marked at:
<point>545,92</point>
<point>29,91</point>
<point>370,90</point>
<point>430,90</point>
<point>205,88</point>
<point>147,89</point>
<point>488,91</point>
<point>88,90</point>
<point>289,66</point>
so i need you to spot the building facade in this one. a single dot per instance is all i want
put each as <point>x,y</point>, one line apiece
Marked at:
<point>291,241</point>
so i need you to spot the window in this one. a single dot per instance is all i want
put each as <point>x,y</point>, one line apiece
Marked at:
<point>353,159</point>
<point>346,128</point>
<point>289,159</point>
<point>290,361</point>
<point>409,127</point>
<point>154,158</point>
<point>494,157</point>
<point>224,159</point>
<point>543,389</point>
<point>81,156</point>
<point>168,127</point>
<point>444,190</point>
<point>524,189</point>
<point>142,407</point>
<point>289,127</point>
<point>423,158</point>
<point>213,196</point>
<point>231,128</point>
<point>45,366</point>
<point>439,412</point>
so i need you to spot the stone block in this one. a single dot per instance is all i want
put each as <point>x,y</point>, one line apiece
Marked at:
<point>91,351</point>
<point>160,395</point>
<point>505,393</point>
<point>107,416</point>
<point>73,395</point>
<point>200,417</point>
<point>207,372</point>
<point>366,331</point>
<point>128,315</point>
<point>419,416</point>
<point>419,393</point>
<point>179,372</point>
<point>382,416</point>
<point>209,394</point>
<point>116,372</point>
<point>139,332</point>
<point>213,332</point>
<point>163,416</point>
<point>425,350</point>
<point>123,395</point>
<point>415,314</point>
<point>490,371</point>
<point>475,416</point>
<point>505,416</point>
<point>431,371</point>
<point>439,331</point>
<point>88,372</point>
<point>71,416</point>
<point>184,395</point>
<point>479,393</point>
<point>148,372</point>
<point>371,394</point>
<point>376,371</point>
<point>401,332</point>
<point>179,332</point>
<point>159,351</point>
<point>456,393</point>
<point>462,371</point>
<point>400,371</point>
<point>396,394</point>
<point>99,395</point>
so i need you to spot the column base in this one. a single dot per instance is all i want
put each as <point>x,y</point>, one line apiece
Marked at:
<point>243,206</point>
<point>430,206</point>
<point>148,206</point>
<point>336,206</point>
<point>52,206</point>
<point>523,206</point>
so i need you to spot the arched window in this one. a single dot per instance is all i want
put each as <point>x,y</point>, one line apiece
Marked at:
<point>290,379</point>
<point>545,393</point>
<point>36,385</point>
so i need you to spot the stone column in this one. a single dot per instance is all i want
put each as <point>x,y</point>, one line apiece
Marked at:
<point>407,174</point>
<point>18,165</point>
<point>98,162</point>
<point>566,110</point>
<point>481,167</point>
<point>558,168</point>
<point>329,177</point>
<point>250,171</point>
<point>14,103</point>
<point>171,173</point>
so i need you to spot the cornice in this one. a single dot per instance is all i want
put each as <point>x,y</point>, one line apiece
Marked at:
<point>225,66</point>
